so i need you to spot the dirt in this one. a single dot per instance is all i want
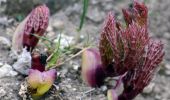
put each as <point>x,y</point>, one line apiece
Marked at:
<point>67,18</point>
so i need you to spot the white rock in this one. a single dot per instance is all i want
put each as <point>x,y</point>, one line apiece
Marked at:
<point>65,40</point>
<point>104,88</point>
<point>23,63</point>
<point>75,66</point>
<point>74,89</point>
<point>149,88</point>
<point>7,70</point>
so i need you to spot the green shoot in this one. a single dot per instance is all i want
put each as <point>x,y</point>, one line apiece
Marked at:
<point>85,8</point>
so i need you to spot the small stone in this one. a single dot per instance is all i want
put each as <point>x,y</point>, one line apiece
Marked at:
<point>166,35</point>
<point>158,97</point>
<point>167,66</point>
<point>157,89</point>
<point>63,73</point>
<point>65,40</point>
<point>104,88</point>
<point>95,14</point>
<point>2,92</point>
<point>49,29</point>
<point>76,67</point>
<point>69,86</point>
<point>149,88</point>
<point>4,43</point>
<point>6,70</point>
<point>51,35</point>
<point>58,24</point>
<point>94,2</point>
<point>23,90</point>
<point>2,1</point>
<point>74,89</point>
<point>23,63</point>
<point>167,72</point>
<point>3,21</point>
<point>1,64</point>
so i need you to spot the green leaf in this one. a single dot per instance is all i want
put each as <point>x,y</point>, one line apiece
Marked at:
<point>85,8</point>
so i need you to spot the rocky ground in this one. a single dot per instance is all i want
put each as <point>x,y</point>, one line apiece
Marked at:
<point>65,18</point>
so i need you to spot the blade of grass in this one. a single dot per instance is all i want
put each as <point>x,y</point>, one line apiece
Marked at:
<point>85,8</point>
<point>55,55</point>
<point>42,37</point>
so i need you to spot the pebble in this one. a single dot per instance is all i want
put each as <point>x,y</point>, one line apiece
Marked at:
<point>158,97</point>
<point>76,66</point>
<point>104,88</point>
<point>64,72</point>
<point>73,9</point>
<point>49,29</point>
<point>166,35</point>
<point>149,88</point>
<point>95,14</point>
<point>58,24</point>
<point>1,64</point>
<point>74,89</point>
<point>23,63</point>
<point>157,89</point>
<point>3,21</point>
<point>2,92</point>
<point>5,43</point>
<point>167,72</point>
<point>65,40</point>
<point>167,69</point>
<point>69,86</point>
<point>7,70</point>
<point>167,66</point>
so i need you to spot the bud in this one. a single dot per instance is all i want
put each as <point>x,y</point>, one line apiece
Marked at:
<point>38,61</point>
<point>124,46</point>
<point>112,95</point>
<point>106,53</point>
<point>35,23</point>
<point>40,82</point>
<point>137,79</point>
<point>92,72</point>
<point>137,13</point>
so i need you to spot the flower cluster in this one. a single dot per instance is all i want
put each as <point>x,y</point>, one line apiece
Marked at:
<point>39,80</point>
<point>126,51</point>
